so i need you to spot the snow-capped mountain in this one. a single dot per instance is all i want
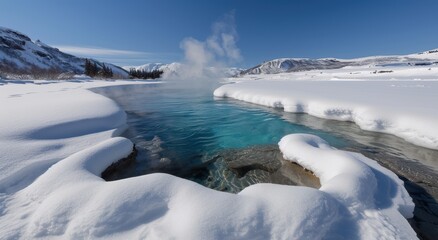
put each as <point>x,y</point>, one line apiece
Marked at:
<point>175,69</point>
<point>20,55</point>
<point>283,65</point>
<point>149,67</point>
<point>233,71</point>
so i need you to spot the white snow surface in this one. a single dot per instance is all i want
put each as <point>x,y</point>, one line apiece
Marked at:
<point>57,138</point>
<point>406,109</point>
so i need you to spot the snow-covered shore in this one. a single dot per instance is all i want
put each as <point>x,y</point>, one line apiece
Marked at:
<point>406,109</point>
<point>56,139</point>
<point>42,122</point>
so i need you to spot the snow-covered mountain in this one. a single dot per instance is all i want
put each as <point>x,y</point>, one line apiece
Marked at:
<point>175,68</point>
<point>149,67</point>
<point>283,65</point>
<point>20,55</point>
<point>233,71</point>
<point>294,64</point>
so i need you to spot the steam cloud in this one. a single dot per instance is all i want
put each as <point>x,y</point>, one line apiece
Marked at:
<point>207,59</point>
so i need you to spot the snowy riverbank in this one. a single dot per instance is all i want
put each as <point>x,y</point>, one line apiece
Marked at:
<point>56,139</point>
<point>406,109</point>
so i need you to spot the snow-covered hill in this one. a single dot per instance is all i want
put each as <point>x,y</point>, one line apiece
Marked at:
<point>283,65</point>
<point>294,64</point>
<point>20,55</point>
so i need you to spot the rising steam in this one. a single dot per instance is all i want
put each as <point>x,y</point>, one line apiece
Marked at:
<point>208,59</point>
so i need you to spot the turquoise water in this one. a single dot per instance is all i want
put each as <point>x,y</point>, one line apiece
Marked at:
<point>187,126</point>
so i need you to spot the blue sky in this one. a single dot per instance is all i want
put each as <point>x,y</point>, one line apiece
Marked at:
<point>132,32</point>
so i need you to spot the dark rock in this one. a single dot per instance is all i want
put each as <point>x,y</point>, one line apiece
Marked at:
<point>244,160</point>
<point>111,172</point>
<point>264,164</point>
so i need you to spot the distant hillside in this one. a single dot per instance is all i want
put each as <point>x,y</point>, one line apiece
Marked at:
<point>283,65</point>
<point>19,55</point>
<point>294,64</point>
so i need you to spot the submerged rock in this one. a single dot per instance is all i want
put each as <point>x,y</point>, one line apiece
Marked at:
<point>228,170</point>
<point>241,161</point>
<point>235,169</point>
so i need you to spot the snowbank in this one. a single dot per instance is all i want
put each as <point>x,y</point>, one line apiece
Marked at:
<point>71,201</point>
<point>42,122</point>
<point>406,109</point>
<point>359,183</point>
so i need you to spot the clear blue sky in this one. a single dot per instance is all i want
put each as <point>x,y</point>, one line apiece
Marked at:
<point>151,30</point>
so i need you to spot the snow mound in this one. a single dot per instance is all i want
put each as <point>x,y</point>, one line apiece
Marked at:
<point>359,183</point>
<point>405,109</point>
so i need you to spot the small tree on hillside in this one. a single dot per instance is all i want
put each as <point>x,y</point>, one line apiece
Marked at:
<point>94,69</point>
<point>142,74</point>
<point>90,68</point>
<point>87,69</point>
<point>106,72</point>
